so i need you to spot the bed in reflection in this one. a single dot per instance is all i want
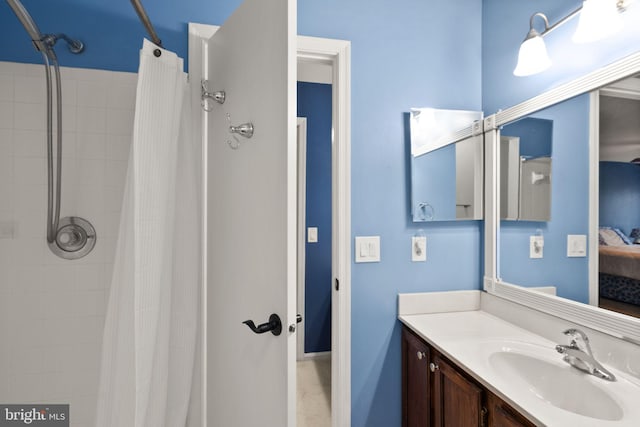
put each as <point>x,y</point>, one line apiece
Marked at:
<point>619,267</point>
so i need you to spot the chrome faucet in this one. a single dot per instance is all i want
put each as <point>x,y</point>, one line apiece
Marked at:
<point>579,355</point>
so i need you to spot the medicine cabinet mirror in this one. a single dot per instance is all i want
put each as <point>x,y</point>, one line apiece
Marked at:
<point>446,177</point>
<point>525,170</point>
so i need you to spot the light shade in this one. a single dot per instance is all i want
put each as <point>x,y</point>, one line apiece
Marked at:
<point>532,57</point>
<point>598,19</point>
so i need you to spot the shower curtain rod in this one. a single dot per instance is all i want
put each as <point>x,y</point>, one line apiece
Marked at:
<point>137,5</point>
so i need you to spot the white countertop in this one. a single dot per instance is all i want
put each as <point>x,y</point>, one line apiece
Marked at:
<point>463,337</point>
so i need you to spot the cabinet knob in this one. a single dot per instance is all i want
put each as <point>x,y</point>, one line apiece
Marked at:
<point>433,367</point>
<point>421,355</point>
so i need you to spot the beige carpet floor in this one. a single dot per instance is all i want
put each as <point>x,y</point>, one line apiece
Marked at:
<point>314,392</point>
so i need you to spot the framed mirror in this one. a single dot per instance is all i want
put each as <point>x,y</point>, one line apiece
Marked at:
<point>584,194</point>
<point>446,176</point>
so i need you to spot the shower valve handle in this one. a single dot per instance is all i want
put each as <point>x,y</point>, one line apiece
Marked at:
<point>274,325</point>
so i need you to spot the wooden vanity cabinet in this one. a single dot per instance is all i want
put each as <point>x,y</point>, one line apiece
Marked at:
<point>416,380</point>
<point>435,392</point>
<point>456,401</point>
<point>500,414</point>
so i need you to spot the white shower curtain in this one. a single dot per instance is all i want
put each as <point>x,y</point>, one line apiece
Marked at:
<point>151,328</point>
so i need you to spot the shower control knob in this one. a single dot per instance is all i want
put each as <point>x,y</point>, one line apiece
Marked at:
<point>433,367</point>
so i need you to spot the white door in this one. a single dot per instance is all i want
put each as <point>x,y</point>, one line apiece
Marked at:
<point>251,220</point>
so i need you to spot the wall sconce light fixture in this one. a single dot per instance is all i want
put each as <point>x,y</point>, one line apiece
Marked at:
<point>598,19</point>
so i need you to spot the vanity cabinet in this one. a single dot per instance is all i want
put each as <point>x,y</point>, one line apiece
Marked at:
<point>435,392</point>
<point>456,401</point>
<point>416,380</point>
<point>502,415</point>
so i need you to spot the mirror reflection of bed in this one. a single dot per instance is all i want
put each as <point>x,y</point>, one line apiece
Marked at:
<point>619,198</point>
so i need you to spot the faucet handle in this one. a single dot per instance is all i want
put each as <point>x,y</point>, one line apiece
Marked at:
<point>576,335</point>
<point>573,332</point>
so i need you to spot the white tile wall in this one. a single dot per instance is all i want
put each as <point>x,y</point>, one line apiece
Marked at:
<point>52,310</point>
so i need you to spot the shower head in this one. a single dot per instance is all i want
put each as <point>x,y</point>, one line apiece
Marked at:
<point>28,23</point>
<point>42,42</point>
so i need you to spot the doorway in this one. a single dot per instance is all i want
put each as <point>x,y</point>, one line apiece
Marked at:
<point>615,273</point>
<point>314,129</point>
<point>336,54</point>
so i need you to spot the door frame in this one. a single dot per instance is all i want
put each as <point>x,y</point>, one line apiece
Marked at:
<point>594,196</point>
<point>336,53</point>
<point>301,131</point>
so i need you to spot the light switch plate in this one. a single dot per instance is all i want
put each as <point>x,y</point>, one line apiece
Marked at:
<point>312,234</point>
<point>576,245</point>
<point>367,249</point>
<point>418,248</point>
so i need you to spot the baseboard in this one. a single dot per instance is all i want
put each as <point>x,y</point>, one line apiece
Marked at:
<point>317,355</point>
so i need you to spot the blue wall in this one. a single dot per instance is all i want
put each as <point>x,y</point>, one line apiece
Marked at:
<point>569,211</point>
<point>404,54</point>
<point>434,182</point>
<point>620,195</point>
<point>536,136</point>
<point>505,23</point>
<point>314,103</point>
<point>401,58</point>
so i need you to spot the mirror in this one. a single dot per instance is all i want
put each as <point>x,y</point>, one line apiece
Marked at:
<point>554,192</point>
<point>446,184</point>
<point>446,178</point>
<point>609,148</point>
<point>525,169</point>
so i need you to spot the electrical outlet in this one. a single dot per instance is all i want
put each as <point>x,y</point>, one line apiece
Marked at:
<point>536,244</point>
<point>418,248</point>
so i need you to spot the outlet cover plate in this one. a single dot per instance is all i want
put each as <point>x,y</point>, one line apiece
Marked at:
<point>418,248</point>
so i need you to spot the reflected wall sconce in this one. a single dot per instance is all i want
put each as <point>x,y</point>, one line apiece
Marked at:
<point>598,19</point>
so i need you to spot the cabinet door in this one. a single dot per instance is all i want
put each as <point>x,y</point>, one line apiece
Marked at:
<point>415,381</point>
<point>503,415</point>
<point>457,401</point>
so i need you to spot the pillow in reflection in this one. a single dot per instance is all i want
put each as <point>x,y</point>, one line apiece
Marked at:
<point>635,235</point>
<point>612,237</point>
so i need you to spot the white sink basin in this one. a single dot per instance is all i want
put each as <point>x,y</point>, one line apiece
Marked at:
<point>558,384</point>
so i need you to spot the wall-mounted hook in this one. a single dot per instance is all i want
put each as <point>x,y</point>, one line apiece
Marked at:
<point>425,211</point>
<point>207,97</point>
<point>245,129</point>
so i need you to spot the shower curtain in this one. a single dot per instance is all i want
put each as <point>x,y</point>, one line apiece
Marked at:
<point>151,327</point>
